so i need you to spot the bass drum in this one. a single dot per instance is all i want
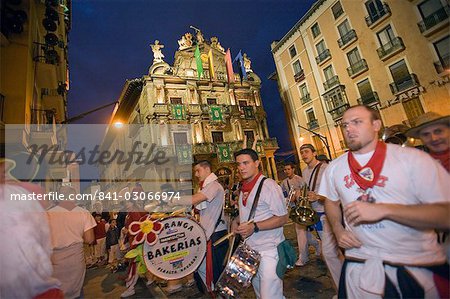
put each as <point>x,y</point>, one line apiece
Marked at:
<point>179,250</point>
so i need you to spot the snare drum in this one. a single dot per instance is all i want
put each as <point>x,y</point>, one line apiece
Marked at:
<point>179,250</point>
<point>239,272</point>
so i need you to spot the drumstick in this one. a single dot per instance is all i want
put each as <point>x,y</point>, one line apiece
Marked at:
<point>229,235</point>
<point>229,250</point>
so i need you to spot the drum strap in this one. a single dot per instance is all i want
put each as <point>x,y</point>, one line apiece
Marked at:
<point>255,201</point>
<point>314,174</point>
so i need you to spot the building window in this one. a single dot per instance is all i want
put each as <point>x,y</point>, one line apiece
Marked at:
<point>304,94</point>
<point>353,56</point>
<point>211,101</point>
<point>175,101</point>
<point>242,103</point>
<point>401,76</point>
<point>217,137</point>
<point>292,51</point>
<point>344,28</point>
<point>321,47</point>
<point>386,36</point>
<point>413,109</point>
<point>376,10</point>
<point>367,96</point>
<point>337,10</point>
<point>297,67</point>
<point>328,72</point>
<point>429,7</point>
<point>311,117</point>
<point>180,138</point>
<point>315,30</point>
<point>442,48</point>
<point>250,137</point>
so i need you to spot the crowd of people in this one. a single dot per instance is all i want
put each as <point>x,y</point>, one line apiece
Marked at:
<point>380,209</point>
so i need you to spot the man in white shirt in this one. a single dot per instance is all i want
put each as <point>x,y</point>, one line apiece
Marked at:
<point>211,196</point>
<point>313,174</point>
<point>296,182</point>
<point>70,227</point>
<point>266,231</point>
<point>392,198</point>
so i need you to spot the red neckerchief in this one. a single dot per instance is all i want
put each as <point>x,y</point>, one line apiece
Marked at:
<point>367,176</point>
<point>200,184</point>
<point>247,187</point>
<point>443,158</point>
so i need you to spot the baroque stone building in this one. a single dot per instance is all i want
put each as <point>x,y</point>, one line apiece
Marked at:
<point>192,108</point>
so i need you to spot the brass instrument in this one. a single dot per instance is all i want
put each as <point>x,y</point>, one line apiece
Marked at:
<point>303,213</point>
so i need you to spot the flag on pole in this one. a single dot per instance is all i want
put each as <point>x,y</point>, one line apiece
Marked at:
<point>229,65</point>
<point>240,62</point>
<point>212,74</point>
<point>199,62</point>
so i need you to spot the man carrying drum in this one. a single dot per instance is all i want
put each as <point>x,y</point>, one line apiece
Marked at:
<point>209,200</point>
<point>265,230</point>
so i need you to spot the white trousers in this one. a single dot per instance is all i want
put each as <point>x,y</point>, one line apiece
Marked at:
<point>355,272</point>
<point>330,250</point>
<point>100,248</point>
<point>266,283</point>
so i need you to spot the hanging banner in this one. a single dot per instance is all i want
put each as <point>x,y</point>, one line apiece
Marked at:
<point>184,154</point>
<point>224,153</point>
<point>216,114</point>
<point>248,112</point>
<point>178,112</point>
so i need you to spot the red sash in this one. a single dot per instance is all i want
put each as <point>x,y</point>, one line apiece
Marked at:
<point>247,187</point>
<point>367,176</point>
<point>443,158</point>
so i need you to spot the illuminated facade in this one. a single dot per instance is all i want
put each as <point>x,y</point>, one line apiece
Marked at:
<point>393,55</point>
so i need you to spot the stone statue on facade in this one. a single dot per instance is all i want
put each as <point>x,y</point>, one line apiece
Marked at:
<point>157,54</point>
<point>216,44</point>
<point>185,41</point>
<point>247,63</point>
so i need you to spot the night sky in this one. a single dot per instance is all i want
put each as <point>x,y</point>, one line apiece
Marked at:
<point>110,42</point>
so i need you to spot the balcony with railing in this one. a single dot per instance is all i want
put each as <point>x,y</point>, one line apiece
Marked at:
<point>160,109</point>
<point>391,48</point>
<point>375,18</point>
<point>369,99</point>
<point>404,84</point>
<point>338,111</point>
<point>333,81</point>
<point>347,39</point>
<point>443,65</point>
<point>434,21</point>
<point>313,124</point>
<point>305,99</point>
<point>299,76</point>
<point>324,56</point>
<point>357,68</point>
<point>43,127</point>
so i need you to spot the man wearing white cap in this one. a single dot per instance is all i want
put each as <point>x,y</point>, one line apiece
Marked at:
<point>434,131</point>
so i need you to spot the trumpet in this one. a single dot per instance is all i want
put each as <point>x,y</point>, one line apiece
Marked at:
<point>303,213</point>
<point>291,194</point>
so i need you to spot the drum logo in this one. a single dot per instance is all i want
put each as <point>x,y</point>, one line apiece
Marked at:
<point>179,250</point>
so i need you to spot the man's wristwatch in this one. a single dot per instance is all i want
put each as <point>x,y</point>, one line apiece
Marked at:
<point>256,227</point>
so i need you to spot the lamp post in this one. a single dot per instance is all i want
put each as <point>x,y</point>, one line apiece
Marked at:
<point>80,116</point>
<point>324,139</point>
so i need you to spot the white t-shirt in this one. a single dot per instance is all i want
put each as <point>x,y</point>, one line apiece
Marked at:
<point>67,227</point>
<point>296,182</point>
<point>271,203</point>
<point>214,205</point>
<point>408,177</point>
<point>25,265</point>
<point>307,172</point>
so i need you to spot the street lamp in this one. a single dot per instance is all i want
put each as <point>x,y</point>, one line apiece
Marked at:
<point>324,139</point>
